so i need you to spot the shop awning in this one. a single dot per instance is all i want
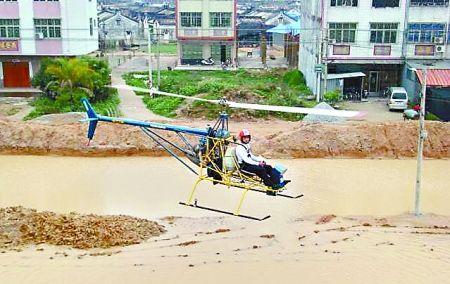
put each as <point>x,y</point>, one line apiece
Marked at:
<point>345,75</point>
<point>435,77</point>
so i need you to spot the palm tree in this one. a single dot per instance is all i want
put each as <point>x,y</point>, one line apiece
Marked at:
<point>70,79</point>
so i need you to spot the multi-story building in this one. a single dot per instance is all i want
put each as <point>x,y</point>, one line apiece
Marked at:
<point>375,37</point>
<point>204,29</point>
<point>31,30</point>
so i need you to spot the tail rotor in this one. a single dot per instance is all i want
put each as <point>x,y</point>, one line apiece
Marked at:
<point>92,117</point>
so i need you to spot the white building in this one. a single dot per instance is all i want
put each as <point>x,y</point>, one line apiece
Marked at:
<point>117,30</point>
<point>206,28</point>
<point>31,30</point>
<point>375,37</point>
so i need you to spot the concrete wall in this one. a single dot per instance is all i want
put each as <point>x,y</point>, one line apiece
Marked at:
<point>76,15</point>
<point>75,26</point>
<point>310,36</point>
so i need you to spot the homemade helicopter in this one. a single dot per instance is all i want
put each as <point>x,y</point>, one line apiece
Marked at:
<point>213,152</point>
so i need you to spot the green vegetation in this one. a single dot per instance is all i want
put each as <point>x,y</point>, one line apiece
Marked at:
<point>332,97</point>
<point>274,87</point>
<point>65,81</point>
<point>44,105</point>
<point>165,48</point>
<point>431,116</point>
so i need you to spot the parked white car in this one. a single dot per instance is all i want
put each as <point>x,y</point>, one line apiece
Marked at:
<point>397,98</point>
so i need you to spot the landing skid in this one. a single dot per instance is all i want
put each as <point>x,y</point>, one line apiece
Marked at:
<point>195,205</point>
<point>279,194</point>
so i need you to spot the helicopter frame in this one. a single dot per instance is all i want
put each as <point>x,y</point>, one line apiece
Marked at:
<point>208,155</point>
<point>212,168</point>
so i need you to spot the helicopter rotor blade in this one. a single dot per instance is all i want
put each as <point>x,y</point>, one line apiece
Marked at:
<point>302,110</point>
<point>224,102</point>
<point>154,91</point>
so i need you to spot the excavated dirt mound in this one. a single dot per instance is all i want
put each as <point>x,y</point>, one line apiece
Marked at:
<point>273,139</point>
<point>358,140</point>
<point>20,226</point>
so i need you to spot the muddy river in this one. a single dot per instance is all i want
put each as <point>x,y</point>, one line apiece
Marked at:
<point>152,187</point>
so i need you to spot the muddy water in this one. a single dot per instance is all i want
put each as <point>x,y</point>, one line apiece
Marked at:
<point>149,187</point>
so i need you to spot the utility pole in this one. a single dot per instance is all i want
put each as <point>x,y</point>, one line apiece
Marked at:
<point>325,61</point>
<point>422,137</point>
<point>150,77</point>
<point>263,49</point>
<point>159,55</point>
<point>319,61</point>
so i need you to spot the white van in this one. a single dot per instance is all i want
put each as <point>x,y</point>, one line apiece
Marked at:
<point>397,98</point>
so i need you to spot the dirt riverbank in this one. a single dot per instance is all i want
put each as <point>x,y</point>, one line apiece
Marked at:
<point>273,139</point>
<point>316,249</point>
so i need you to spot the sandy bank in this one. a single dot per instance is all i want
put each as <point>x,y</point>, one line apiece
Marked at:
<point>316,249</point>
<point>274,139</point>
<point>21,227</point>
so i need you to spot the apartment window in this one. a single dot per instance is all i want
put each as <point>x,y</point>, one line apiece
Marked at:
<point>425,32</point>
<point>342,32</point>
<point>220,19</point>
<point>91,27</point>
<point>8,0</point>
<point>383,32</point>
<point>9,28</point>
<point>385,3</point>
<point>191,19</point>
<point>429,3</point>
<point>339,3</point>
<point>50,28</point>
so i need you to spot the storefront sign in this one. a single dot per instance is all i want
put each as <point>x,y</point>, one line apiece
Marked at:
<point>382,50</point>
<point>424,50</point>
<point>341,49</point>
<point>9,45</point>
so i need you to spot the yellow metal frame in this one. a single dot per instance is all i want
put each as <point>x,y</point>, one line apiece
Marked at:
<point>216,148</point>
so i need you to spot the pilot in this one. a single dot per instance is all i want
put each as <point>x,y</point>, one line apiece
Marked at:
<point>256,164</point>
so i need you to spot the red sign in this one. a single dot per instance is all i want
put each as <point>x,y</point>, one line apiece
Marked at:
<point>9,45</point>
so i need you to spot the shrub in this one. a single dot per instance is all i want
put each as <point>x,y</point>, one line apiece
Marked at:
<point>332,96</point>
<point>294,78</point>
<point>65,81</point>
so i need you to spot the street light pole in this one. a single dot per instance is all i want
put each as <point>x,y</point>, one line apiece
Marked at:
<point>422,137</point>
